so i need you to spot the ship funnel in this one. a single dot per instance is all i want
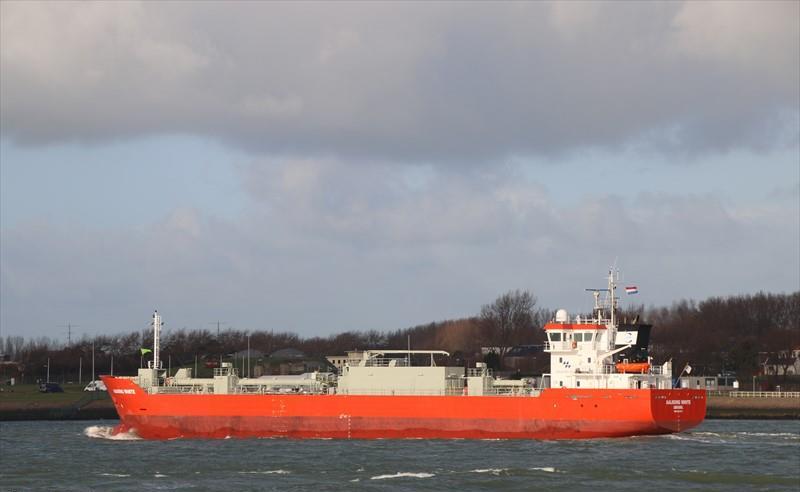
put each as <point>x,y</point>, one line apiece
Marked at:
<point>562,316</point>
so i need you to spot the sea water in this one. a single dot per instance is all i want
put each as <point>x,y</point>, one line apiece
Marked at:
<point>718,455</point>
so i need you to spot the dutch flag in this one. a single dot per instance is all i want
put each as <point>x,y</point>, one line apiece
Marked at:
<point>631,290</point>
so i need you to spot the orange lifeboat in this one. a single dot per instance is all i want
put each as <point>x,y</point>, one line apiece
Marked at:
<point>633,367</point>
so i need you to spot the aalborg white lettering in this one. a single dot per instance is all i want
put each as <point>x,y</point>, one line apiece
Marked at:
<point>677,405</point>
<point>125,391</point>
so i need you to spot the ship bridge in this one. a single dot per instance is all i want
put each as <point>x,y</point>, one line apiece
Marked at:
<point>597,352</point>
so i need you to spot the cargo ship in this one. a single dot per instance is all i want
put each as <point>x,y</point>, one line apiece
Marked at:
<point>602,383</point>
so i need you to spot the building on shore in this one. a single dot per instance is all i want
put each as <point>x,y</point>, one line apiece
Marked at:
<point>339,361</point>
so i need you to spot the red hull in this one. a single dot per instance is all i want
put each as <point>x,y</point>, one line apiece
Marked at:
<point>556,414</point>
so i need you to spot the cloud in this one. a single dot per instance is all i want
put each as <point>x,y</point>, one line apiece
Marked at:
<point>423,83</point>
<point>327,246</point>
<point>477,102</point>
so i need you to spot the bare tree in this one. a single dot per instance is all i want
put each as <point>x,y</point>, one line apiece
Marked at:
<point>507,319</point>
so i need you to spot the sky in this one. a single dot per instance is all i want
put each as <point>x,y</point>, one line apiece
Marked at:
<point>323,167</point>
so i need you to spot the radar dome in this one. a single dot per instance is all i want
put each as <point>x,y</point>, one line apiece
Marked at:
<point>562,316</point>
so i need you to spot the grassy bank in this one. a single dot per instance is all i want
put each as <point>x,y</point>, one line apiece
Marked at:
<point>25,402</point>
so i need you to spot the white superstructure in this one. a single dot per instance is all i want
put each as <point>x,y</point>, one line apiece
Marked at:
<point>591,352</point>
<point>597,352</point>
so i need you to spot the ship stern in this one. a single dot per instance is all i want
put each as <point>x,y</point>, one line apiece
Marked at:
<point>678,410</point>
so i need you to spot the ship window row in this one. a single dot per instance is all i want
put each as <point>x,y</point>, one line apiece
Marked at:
<point>555,336</point>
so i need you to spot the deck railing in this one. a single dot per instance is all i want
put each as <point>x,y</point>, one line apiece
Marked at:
<point>764,394</point>
<point>477,372</point>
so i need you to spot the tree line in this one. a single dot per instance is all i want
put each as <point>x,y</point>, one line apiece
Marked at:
<point>732,334</point>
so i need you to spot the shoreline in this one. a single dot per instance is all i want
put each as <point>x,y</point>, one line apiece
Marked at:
<point>725,407</point>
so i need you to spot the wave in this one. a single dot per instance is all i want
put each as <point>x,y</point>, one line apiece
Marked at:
<point>108,432</point>
<point>265,472</point>
<point>546,469</point>
<point>786,435</point>
<point>691,438</point>
<point>493,471</point>
<point>119,475</point>
<point>403,475</point>
<point>790,435</point>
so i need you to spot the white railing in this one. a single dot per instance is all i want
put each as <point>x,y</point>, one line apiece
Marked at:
<point>181,389</point>
<point>764,394</point>
<point>500,391</point>
<point>397,392</point>
<point>386,362</point>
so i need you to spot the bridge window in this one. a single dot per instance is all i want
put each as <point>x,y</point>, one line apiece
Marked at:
<point>555,336</point>
<point>579,337</point>
<point>587,337</point>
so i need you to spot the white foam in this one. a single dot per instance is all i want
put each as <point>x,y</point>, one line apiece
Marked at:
<point>689,437</point>
<point>789,435</point>
<point>403,475</point>
<point>356,480</point>
<point>493,471</point>
<point>266,472</point>
<point>159,475</point>
<point>689,471</point>
<point>712,434</point>
<point>107,432</point>
<point>120,475</point>
<point>547,469</point>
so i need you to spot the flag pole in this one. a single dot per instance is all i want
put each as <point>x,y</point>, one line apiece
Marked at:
<point>687,369</point>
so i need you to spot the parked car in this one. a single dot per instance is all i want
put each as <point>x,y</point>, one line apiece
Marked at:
<point>50,388</point>
<point>97,385</point>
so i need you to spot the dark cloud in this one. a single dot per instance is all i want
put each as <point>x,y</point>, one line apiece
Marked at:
<point>406,82</point>
<point>324,243</point>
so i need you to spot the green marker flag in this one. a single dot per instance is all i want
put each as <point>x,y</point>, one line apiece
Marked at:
<point>145,351</point>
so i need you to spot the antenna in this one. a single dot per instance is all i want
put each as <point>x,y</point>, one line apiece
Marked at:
<point>217,323</point>
<point>69,327</point>
<point>612,287</point>
<point>157,323</point>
